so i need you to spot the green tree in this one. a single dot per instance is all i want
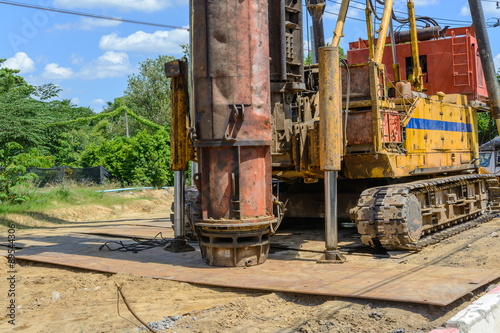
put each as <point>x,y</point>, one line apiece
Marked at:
<point>22,117</point>
<point>140,160</point>
<point>13,165</point>
<point>117,125</point>
<point>148,91</point>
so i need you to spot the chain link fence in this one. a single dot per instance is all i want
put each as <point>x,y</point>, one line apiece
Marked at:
<point>60,174</point>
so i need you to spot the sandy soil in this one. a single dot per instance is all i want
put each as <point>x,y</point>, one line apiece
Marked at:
<point>144,202</point>
<point>55,299</point>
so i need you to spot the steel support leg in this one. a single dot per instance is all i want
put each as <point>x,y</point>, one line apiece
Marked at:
<point>179,243</point>
<point>194,171</point>
<point>331,254</point>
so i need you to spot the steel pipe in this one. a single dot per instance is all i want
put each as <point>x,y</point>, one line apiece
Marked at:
<point>417,70</point>
<point>330,109</point>
<point>233,130</point>
<point>371,36</point>
<point>179,225</point>
<point>331,143</point>
<point>395,64</point>
<point>384,26</point>
<point>316,8</point>
<point>331,227</point>
<point>339,28</point>
<point>423,34</point>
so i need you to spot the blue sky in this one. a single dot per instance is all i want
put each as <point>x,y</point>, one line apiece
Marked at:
<point>90,59</point>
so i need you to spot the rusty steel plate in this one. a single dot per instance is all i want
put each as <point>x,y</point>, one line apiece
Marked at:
<point>130,232</point>
<point>426,284</point>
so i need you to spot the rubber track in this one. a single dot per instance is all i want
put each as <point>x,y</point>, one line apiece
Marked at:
<point>380,211</point>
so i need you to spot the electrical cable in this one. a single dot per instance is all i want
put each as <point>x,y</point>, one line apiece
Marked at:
<point>347,101</point>
<point>70,12</point>
<point>443,20</point>
<point>139,245</point>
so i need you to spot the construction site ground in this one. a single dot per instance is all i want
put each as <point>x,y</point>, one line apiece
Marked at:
<point>54,298</point>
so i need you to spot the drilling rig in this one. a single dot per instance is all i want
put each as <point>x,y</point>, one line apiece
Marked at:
<point>388,135</point>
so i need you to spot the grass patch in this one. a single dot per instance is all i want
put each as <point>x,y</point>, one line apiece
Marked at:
<point>44,201</point>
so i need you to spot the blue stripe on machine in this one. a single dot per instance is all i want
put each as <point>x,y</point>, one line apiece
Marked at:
<point>438,125</point>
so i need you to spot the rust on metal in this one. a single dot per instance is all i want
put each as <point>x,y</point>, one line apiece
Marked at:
<point>330,109</point>
<point>181,145</point>
<point>233,128</point>
<point>426,284</point>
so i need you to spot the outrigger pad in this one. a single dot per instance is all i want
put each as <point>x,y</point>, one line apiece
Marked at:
<point>332,257</point>
<point>179,245</point>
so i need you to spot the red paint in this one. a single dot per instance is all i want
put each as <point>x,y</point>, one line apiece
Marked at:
<point>453,63</point>
<point>391,130</point>
<point>495,291</point>
<point>445,330</point>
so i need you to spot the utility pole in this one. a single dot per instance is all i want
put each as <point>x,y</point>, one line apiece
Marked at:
<point>126,124</point>
<point>490,75</point>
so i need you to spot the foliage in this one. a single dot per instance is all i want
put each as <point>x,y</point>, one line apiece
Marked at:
<point>12,83</point>
<point>71,144</point>
<point>47,91</point>
<point>121,110</point>
<point>143,159</point>
<point>148,91</point>
<point>13,164</point>
<point>487,128</point>
<point>22,114</point>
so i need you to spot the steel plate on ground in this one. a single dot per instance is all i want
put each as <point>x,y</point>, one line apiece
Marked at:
<point>427,284</point>
<point>130,231</point>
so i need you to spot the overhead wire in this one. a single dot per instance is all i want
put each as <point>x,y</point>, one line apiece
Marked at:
<point>101,17</point>
<point>377,13</point>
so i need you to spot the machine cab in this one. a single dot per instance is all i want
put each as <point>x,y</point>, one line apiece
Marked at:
<point>489,155</point>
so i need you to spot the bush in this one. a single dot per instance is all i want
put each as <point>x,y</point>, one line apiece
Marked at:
<point>143,159</point>
<point>13,164</point>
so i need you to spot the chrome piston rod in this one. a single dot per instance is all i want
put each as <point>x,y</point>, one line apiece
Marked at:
<point>331,227</point>
<point>179,225</point>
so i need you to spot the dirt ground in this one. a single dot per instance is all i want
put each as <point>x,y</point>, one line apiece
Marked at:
<point>55,299</point>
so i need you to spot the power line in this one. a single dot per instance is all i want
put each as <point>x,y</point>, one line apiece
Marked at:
<point>400,12</point>
<point>349,17</point>
<point>70,12</point>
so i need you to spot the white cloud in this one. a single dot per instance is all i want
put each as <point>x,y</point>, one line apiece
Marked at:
<point>20,61</point>
<point>140,5</point>
<point>335,8</point>
<point>75,101</point>
<point>167,42</point>
<point>110,64</point>
<point>465,11</point>
<point>489,8</point>
<point>426,2</point>
<point>98,101</point>
<point>76,60</point>
<point>54,72</point>
<point>87,23</point>
<point>497,62</point>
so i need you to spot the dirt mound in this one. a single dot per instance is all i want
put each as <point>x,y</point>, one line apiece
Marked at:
<point>139,203</point>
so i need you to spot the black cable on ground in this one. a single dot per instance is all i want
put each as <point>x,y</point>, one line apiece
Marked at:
<point>139,245</point>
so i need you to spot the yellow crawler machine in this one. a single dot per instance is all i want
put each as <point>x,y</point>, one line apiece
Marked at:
<point>363,136</point>
<point>409,161</point>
